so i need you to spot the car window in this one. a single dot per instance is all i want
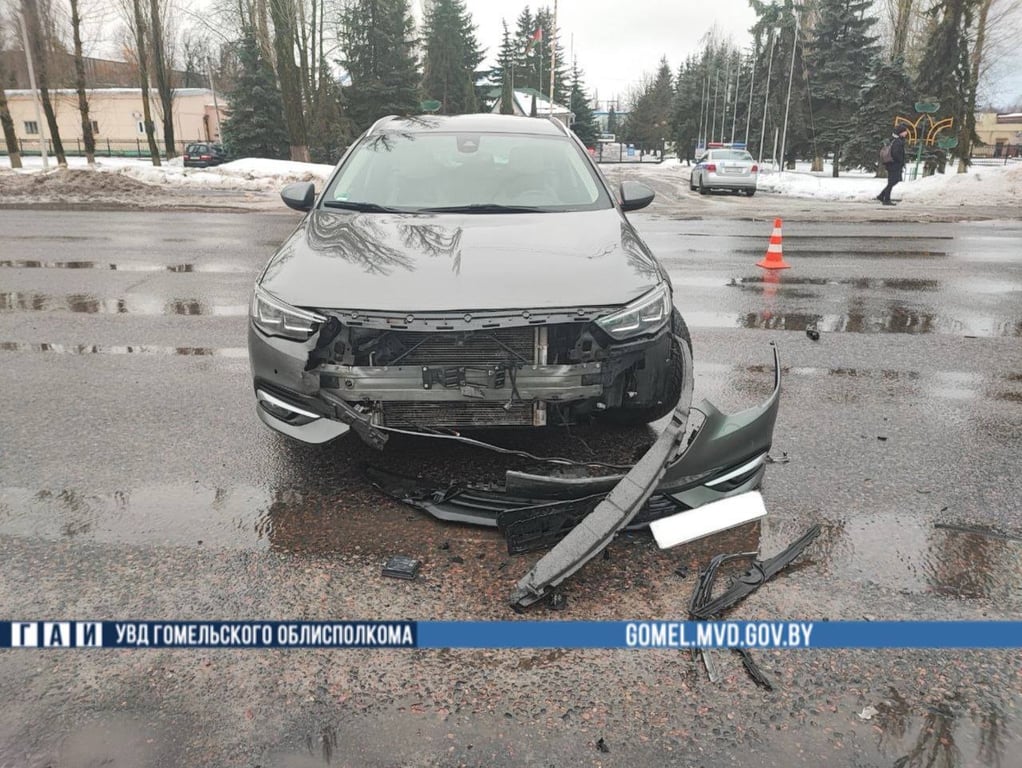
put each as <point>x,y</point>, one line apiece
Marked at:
<point>731,154</point>
<point>197,149</point>
<point>409,171</point>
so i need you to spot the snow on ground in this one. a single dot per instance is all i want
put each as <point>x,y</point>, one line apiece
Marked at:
<point>247,174</point>
<point>993,184</point>
<point>986,183</point>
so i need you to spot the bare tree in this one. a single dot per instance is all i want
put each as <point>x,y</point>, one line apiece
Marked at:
<point>10,137</point>
<point>283,13</point>
<point>143,77</point>
<point>40,45</point>
<point>83,103</point>
<point>162,76</point>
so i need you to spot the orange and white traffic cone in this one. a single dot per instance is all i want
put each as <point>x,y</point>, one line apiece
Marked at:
<point>774,258</point>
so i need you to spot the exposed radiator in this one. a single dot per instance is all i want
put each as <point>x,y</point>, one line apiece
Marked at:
<point>499,345</point>
<point>456,414</point>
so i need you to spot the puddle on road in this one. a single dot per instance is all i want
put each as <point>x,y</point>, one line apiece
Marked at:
<point>760,282</point>
<point>967,728</point>
<point>878,255</point>
<point>910,554</point>
<point>131,305</point>
<point>126,266</point>
<point>892,320</point>
<point>357,519</point>
<point>123,349</point>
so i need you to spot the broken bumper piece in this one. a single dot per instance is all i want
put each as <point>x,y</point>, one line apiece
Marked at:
<point>726,457</point>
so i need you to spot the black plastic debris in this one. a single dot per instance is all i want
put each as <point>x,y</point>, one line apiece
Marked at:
<point>401,567</point>
<point>601,746</point>
<point>705,607</point>
<point>758,574</point>
<point>782,459</point>
<point>558,601</point>
<point>682,570</point>
<point>978,530</point>
<point>813,333</point>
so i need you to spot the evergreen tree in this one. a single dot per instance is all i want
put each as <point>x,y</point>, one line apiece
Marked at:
<point>330,131</point>
<point>378,43</point>
<point>649,121</point>
<point>255,125</point>
<point>775,33</point>
<point>584,124</point>
<point>538,38</point>
<point>504,73</point>
<point>840,52</point>
<point>944,72</point>
<point>685,109</point>
<point>611,120</point>
<point>887,94</point>
<point>451,56</point>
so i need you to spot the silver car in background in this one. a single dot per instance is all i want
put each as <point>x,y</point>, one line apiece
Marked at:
<point>731,169</point>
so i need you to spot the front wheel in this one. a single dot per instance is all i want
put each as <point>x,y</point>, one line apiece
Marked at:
<point>750,192</point>
<point>703,189</point>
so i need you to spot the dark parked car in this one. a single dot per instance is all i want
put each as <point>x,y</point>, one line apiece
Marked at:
<point>204,155</point>
<point>463,271</point>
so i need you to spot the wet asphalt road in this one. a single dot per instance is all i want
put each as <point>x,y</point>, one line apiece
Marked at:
<point>136,482</point>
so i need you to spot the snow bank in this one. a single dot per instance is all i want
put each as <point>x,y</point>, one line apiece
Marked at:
<point>247,174</point>
<point>984,184</point>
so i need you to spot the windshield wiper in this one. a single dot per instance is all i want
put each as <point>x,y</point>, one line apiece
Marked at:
<point>352,205</point>
<point>486,208</point>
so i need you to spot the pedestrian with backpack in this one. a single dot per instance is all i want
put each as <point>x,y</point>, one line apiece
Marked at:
<point>893,158</point>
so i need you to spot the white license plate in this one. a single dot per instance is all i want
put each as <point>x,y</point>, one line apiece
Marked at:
<point>710,518</point>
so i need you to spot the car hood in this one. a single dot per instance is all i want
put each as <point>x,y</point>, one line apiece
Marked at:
<point>420,262</point>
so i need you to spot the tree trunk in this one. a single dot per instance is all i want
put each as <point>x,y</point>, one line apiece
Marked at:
<point>290,79</point>
<point>83,103</point>
<point>143,77</point>
<point>902,19</point>
<point>40,48</point>
<point>10,136</point>
<point>969,127</point>
<point>162,78</point>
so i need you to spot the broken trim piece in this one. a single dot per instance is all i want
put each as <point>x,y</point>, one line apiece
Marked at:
<point>758,574</point>
<point>592,535</point>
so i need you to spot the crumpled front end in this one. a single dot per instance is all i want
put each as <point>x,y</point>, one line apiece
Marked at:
<point>380,372</point>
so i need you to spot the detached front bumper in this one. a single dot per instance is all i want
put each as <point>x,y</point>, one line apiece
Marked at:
<point>725,457</point>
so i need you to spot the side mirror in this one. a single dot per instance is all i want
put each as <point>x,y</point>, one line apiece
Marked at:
<point>635,195</point>
<point>301,196</point>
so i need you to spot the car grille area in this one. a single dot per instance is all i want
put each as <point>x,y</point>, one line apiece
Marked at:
<point>456,414</point>
<point>466,348</point>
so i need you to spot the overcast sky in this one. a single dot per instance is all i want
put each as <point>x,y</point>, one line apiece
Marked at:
<point>615,41</point>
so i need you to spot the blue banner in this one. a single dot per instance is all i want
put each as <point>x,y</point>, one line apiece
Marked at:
<point>510,634</point>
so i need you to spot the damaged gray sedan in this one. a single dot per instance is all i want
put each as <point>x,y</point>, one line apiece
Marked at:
<point>460,272</point>
<point>478,271</point>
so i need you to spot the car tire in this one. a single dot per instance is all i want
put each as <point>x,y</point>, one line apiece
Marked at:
<point>692,183</point>
<point>670,390</point>
<point>703,189</point>
<point>750,192</point>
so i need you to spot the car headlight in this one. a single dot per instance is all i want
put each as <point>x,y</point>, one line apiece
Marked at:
<point>275,318</point>
<point>646,314</point>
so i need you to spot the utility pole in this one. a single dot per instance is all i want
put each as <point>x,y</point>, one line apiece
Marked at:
<point>766,98</point>
<point>35,92</point>
<point>553,57</point>
<point>748,117</point>
<point>787,105</point>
